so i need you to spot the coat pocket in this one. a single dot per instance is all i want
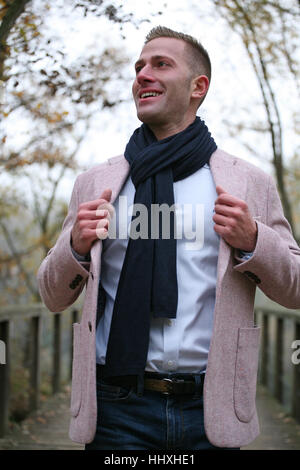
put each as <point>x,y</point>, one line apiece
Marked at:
<point>246,373</point>
<point>76,371</point>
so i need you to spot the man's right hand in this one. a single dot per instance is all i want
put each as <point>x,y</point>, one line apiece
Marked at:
<point>92,222</point>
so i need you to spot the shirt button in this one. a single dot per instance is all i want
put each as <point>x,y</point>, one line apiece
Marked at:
<point>170,363</point>
<point>169,322</point>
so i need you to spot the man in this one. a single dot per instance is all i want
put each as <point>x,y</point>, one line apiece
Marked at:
<point>167,335</point>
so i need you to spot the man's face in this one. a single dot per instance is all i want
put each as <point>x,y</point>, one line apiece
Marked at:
<point>163,85</point>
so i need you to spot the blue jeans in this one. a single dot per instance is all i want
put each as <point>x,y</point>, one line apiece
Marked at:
<point>127,421</point>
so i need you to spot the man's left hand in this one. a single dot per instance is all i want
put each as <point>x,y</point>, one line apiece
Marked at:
<point>233,221</point>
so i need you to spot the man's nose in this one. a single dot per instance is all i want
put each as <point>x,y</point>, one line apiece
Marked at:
<point>145,75</point>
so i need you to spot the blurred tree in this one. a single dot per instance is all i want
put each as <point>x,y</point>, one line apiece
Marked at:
<point>269,30</point>
<point>41,84</point>
<point>52,100</point>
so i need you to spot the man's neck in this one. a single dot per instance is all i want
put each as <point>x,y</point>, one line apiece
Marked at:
<point>163,131</point>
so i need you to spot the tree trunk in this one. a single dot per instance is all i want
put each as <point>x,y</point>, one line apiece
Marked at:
<point>15,9</point>
<point>239,19</point>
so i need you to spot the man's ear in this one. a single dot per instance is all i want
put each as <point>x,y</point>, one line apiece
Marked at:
<point>200,87</point>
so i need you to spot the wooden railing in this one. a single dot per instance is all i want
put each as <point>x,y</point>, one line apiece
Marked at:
<point>35,313</point>
<point>280,328</point>
<point>279,368</point>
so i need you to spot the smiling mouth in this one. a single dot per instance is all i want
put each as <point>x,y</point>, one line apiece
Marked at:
<point>148,95</point>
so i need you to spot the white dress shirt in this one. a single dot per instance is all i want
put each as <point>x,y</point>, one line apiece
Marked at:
<point>179,344</point>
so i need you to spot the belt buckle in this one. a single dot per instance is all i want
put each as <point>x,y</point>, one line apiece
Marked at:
<point>170,383</point>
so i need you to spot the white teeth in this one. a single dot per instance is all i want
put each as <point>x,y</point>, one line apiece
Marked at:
<point>150,93</point>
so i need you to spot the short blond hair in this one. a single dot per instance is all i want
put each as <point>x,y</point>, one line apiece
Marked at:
<point>198,57</point>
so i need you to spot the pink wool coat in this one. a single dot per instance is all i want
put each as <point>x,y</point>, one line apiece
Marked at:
<point>230,381</point>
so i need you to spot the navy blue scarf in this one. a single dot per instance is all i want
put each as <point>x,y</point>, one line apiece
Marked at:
<point>148,280</point>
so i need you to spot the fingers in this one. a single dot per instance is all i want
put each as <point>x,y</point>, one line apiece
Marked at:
<point>92,210</point>
<point>105,211</point>
<point>88,225</point>
<point>103,223</point>
<point>233,221</point>
<point>225,198</point>
<point>228,211</point>
<point>220,220</point>
<point>92,215</point>
<point>102,233</point>
<point>92,222</point>
<point>106,195</point>
<point>102,229</point>
<point>107,208</point>
<point>92,207</point>
<point>220,190</point>
<point>103,199</point>
<point>85,232</point>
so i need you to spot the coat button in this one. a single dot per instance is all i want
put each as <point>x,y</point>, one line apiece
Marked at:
<point>90,326</point>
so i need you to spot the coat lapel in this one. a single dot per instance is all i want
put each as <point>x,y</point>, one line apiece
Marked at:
<point>227,174</point>
<point>114,179</point>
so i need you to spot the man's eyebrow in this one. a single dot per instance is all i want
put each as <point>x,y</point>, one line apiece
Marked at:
<point>138,62</point>
<point>155,57</point>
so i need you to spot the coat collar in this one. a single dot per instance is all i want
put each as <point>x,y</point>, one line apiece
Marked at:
<point>226,173</point>
<point>223,167</point>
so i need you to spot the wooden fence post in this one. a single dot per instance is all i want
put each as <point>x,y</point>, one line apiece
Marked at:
<point>74,319</point>
<point>4,378</point>
<point>278,379</point>
<point>35,364</point>
<point>57,356</point>
<point>264,349</point>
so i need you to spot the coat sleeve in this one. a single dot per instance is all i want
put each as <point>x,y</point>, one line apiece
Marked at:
<point>61,277</point>
<point>275,263</point>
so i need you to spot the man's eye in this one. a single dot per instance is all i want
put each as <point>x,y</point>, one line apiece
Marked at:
<point>161,63</point>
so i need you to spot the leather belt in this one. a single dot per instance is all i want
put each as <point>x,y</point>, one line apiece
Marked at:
<point>170,386</point>
<point>177,384</point>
